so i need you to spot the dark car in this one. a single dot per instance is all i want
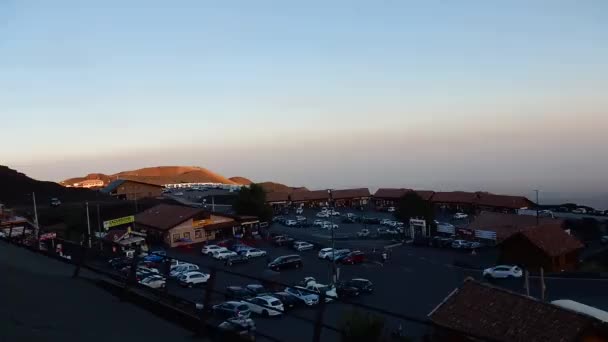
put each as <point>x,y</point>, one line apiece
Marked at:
<point>232,309</point>
<point>282,240</point>
<point>352,258</point>
<point>370,220</point>
<point>256,289</point>
<point>120,263</point>
<point>236,259</point>
<point>285,262</point>
<point>364,285</point>
<point>237,293</point>
<point>288,300</point>
<point>345,290</point>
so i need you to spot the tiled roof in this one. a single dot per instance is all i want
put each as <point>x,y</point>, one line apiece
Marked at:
<point>506,225</point>
<point>456,197</point>
<point>165,216</point>
<point>503,201</point>
<point>390,193</point>
<point>493,313</point>
<point>350,193</point>
<point>552,239</point>
<point>277,197</point>
<point>318,195</point>
<point>425,194</point>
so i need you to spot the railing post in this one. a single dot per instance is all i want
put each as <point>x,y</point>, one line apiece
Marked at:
<point>316,337</point>
<point>206,309</point>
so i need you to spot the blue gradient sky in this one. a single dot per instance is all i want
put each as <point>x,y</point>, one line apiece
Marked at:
<point>436,94</point>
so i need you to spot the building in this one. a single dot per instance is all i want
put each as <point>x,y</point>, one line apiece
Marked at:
<point>277,200</point>
<point>132,190</point>
<point>352,198</point>
<point>176,225</point>
<point>494,227</point>
<point>546,246</point>
<point>455,200</point>
<point>501,203</point>
<point>480,311</point>
<point>318,198</point>
<point>11,224</point>
<point>389,197</point>
<point>89,183</point>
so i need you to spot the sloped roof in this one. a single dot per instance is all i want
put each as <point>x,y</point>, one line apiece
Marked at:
<point>552,239</point>
<point>456,197</point>
<point>425,194</point>
<point>116,183</point>
<point>277,197</point>
<point>506,225</point>
<point>165,216</point>
<point>390,193</point>
<point>503,201</point>
<point>486,311</point>
<point>318,195</point>
<point>350,193</point>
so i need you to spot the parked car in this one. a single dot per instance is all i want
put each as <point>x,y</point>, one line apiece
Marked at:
<point>155,256</point>
<point>363,233</point>
<point>288,300</point>
<point>330,291</point>
<point>303,295</point>
<point>291,223</point>
<point>266,306</point>
<point>286,262</point>
<point>145,269</point>
<point>340,253</point>
<point>232,309</point>
<point>325,253</point>
<point>460,244</point>
<point>345,290</point>
<point>370,220</point>
<point>236,259</point>
<point>240,327</point>
<point>299,211</point>
<point>282,240</point>
<point>237,293</point>
<point>356,257</point>
<point>442,242</point>
<point>155,282</point>
<point>278,219</point>
<point>329,225</point>
<point>503,271</point>
<point>210,249</point>
<point>460,216</point>
<point>318,223</point>
<point>385,222</point>
<point>391,209</point>
<point>253,253</point>
<point>120,263</point>
<point>256,289</point>
<point>364,285</point>
<point>302,246</point>
<point>334,213</point>
<point>223,255</point>
<point>579,211</point>
<point>179,270</point>
<point>193,278</point>
<point>322,214</point>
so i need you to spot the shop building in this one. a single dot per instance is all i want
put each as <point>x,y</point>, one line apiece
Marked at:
<point>351,198</point>
<point>311,199</point>
<point>132,190</point>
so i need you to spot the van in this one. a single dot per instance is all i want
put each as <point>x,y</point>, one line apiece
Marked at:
<point>285,262</point>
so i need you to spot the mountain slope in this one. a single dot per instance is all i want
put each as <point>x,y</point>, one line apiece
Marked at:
<point>241,180</point>
<point>16,189</point>
<point>278,187</point>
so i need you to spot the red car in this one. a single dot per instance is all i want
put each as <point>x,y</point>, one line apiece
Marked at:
<point>352,258</point>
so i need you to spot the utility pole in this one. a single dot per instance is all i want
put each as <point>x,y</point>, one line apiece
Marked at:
<point>35,216</point>
<point>527,283</point>
<point>537,207</point>
<point>88,226</point>
<point>543,288</point>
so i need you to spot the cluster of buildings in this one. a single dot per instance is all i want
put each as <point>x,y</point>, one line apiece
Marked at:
<point>389,197</point>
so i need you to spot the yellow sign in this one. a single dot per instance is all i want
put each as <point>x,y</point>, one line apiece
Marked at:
<point>117,222</point>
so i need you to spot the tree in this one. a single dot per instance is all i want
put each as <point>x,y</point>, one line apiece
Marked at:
<point>411,205</point>
<point>252,201</point>
<point>358,326</point>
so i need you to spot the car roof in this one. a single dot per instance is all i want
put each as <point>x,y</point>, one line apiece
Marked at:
<point>326,249</point>
<point>360,279</point>
<point>193,272</point>
<point>267,298</point>
<point>255,285</point>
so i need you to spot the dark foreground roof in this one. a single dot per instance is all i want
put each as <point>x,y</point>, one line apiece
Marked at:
<point>165,216</point>
<point>494,313</point>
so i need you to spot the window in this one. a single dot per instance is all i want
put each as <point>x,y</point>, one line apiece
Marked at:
<point>175,237</point>
<point>186,235</point>
<point>198,234</point>
<point>208,233</point>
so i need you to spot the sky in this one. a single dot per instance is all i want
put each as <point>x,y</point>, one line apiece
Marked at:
<point>447,95</point>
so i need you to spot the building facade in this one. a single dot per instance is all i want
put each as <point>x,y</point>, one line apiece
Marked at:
<point>132,190</point>
<point>351,198</point>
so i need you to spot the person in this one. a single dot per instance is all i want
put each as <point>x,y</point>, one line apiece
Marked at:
<point>384,256</point>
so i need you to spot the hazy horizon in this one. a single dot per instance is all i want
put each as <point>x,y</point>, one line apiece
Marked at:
<point>470,95</point>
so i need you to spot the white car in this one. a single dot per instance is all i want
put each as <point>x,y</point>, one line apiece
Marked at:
<point>223,255</point>
<point>323,214</point>
<point>318,223</point>
<point>303,295</point>
<point>147,270</point>
<point>210,249</point>
<point>460,216</point>
<point>384,222</point>
<point>155,282</point>
<point>391,209</point>
<point>503,271</point>
<point>179,270</point>
<point>326,253</point>
<point>330,291</point>
<point>302,246</point>
<point>299,211</point>
<point>459,244</point>
<point>193,278</point>
<point>265,306</point>
<point>334,213</point>
<point>291,223</point>
<point>329,225</point>
<point>254,253</point>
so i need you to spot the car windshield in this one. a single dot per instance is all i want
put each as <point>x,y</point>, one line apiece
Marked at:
<point>242,307</point>
<point>275,303</point>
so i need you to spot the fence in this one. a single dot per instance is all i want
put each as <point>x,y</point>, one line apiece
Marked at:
<point>194,308</point>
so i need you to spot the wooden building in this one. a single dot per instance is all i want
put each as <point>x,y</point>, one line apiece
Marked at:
<point>351,198</point>
<point>317,198</point>
<point>132,190</point>
<point>545,246</point>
